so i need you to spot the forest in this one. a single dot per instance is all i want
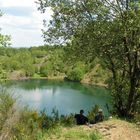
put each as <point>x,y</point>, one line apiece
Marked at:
<point>50,62</point>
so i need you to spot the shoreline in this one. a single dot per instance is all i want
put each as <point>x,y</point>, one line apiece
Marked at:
<point>62,78</point>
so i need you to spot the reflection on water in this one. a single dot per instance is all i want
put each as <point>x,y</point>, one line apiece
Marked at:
<point>67,97</point>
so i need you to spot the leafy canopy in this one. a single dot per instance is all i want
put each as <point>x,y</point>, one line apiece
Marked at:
<point>107,29</point>
<point>4,39</point>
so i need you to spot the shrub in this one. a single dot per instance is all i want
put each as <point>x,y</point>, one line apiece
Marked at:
<point>75,74</point>
<point>46,70</point>
<point>67,120</point>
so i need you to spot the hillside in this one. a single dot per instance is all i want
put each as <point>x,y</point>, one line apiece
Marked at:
<point>49,62</point>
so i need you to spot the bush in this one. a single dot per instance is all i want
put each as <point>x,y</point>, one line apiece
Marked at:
<point>67,120</point>
<point>29,70</point>
<point>46,70</point>
<point>75,74</point>
<point>137,118</point>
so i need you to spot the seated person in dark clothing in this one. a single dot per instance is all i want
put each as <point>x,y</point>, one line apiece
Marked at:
<point>80,118</point>
<point>98,118</point>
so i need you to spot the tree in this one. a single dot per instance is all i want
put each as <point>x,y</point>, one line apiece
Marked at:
<point>46,70</point>
<point>4,42</point>
<point>4,39</point>
<point>76,71</point>
<point>109,30</point>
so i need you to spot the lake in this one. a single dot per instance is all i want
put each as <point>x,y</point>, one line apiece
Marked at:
<point>66,97</point>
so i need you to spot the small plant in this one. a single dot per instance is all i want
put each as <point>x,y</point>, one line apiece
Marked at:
<point>93,112</point>
<point>137,119</point>
<point>67,120</point>
<point>96,135</point>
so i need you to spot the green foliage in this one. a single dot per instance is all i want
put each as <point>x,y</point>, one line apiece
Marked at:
<point>67,120</point>
<point>3,74</point>
<point>7,112</point>
<point>4,39</point>
<point>29,70</point>
<point>137,118</point>
<point>77,72</point>
<point>42,61</point>
<point>96,135</point>
<point>46,70</point>
<point>77,135</point>
<point>97,74</point>
<point>107,30</point>
<point>93,112</point>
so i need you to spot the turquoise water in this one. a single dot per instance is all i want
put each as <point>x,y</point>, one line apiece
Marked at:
<point>66,97</point>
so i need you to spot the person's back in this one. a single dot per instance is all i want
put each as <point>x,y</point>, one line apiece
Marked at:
<point>80,118</point>
<point>99,117</point>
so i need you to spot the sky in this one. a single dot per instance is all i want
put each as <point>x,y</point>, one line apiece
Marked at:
<point>23,22</point>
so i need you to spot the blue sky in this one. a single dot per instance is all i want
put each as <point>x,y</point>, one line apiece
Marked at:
<point>23,22</point>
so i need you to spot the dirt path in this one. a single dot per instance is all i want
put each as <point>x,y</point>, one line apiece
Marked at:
<point>117,130</point>
<point>113,129</point>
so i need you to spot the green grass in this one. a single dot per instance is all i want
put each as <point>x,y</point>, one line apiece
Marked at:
<point>76,134</point>
<point>96,135</point>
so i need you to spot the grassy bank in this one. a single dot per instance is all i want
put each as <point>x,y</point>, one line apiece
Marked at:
<point>112,129</point>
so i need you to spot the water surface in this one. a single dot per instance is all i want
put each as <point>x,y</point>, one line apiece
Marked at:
<point>66,97</point>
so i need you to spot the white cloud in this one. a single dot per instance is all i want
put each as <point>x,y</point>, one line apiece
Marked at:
<point>24,29</point>
<point>13,3</point>
<point>11,20</point>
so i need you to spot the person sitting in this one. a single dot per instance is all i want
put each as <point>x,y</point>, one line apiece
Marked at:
<point>80,118</point>
<point>99,117</point>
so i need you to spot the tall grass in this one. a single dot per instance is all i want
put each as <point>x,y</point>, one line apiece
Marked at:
<point>8,114</point>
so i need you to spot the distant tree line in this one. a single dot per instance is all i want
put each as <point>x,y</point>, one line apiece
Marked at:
<point>43,61</point>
